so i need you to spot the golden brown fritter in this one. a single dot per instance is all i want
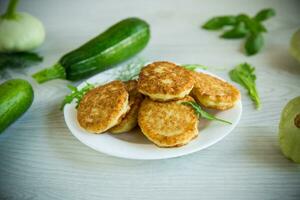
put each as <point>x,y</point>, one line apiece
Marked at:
<point>164,81</point>
<point>168,124</point>
<point>214,93</point>
<point>130,119</point>
<point>103,107</point>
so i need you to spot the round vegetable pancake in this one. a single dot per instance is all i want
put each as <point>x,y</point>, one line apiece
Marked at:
<point>214,93</point>
<point>168,124</point>
<point>103,107</point>
<point>165,81</point>
<point>130,119</point>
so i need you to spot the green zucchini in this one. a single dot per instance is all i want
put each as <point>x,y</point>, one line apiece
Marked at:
<point>118,43</point>
<point>16,96</point>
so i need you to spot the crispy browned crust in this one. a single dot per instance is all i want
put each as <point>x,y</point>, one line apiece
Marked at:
<point>168,124</point>
<point>102,108</point>
<point>130,119</point>
<point>165,81</point>
<point>214,93</point>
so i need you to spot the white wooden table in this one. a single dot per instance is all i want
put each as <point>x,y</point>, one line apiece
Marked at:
<point>40,159</point>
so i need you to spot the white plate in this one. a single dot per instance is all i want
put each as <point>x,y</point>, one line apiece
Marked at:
<point>134,145</point>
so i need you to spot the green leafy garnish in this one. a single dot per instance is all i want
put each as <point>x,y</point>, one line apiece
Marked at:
<point>254,43</point>
<point>255,40</point>
<point>217,23</point>
<point>19,59</point>
<point>76,94</point>
<point>252,25</point>
<point>239,31</point>
<point>244,75</point>
<point>265,14</point>
<point>201,113</point>
<point>193,67</point>
<point>243,26</point>
<point>130,71</point>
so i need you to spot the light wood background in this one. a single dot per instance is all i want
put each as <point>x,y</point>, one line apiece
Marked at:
<point>40,159</point>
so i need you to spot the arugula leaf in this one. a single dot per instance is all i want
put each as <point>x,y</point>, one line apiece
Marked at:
<point>201,113</point>
<point>216,23</point>
<point>244,75</point>
<point>265,14</point>
<point>193,67</point>
<point>131,71</point>
<point>239,31</point>
<point>76,94</point>
<point>19,59</point>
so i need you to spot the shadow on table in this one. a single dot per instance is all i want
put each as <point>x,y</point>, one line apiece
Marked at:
<point>265,152</point>
<point>282,60</point>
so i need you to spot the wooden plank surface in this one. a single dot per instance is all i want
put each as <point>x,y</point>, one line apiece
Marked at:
<point>40,159</point>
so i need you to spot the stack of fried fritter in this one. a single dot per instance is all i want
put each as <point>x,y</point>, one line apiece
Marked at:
<point>154,102</point>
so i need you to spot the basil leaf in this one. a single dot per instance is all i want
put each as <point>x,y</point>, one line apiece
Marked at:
<point>19,59</point>
<point>265,14</point>
<point>260,27</point>
<point>243,26</point>
<point>216,23</point>
<point>254,43</point>
<point>252,25</point>
<point>239,31</point>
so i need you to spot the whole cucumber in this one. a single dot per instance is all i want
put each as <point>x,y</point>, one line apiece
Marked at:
<point>16,96</point>
<point>118,43</point>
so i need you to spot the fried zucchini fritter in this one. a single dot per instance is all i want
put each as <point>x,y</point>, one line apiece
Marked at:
<point>168,124</point>
<point>164,81</point>
<point>214,93</point>
<point>130,119</point>
<point>103,107</point>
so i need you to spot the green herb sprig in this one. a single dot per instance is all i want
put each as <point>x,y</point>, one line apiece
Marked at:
<point>243,74</point>
<point>201,113</point>
<point>243,26</point>
<point>130,71</point>
<point>217,23</point>
<point>76,94</point>
<point>193,67</point>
